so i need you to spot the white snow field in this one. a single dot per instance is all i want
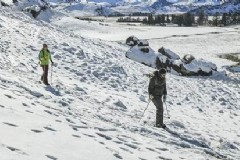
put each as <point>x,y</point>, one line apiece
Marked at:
<point>93,109</point>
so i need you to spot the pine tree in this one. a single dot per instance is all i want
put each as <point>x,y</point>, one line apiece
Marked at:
<point>193,18</point>
<point>206,20</point>
<point>145,21</point>
<point>173,18</point>
<point>158,19</point>
<point>216,19</point>
<point>234,18</point>
<point>150,19</point>
<point>163,18</point>
<point>179,20</point>
<point>229,18</point>
<point>224,19</point>
<point>187,19</point>
<point>238,18</point>
<point>201,17</point>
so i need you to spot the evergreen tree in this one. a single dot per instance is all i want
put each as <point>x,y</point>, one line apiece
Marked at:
<point>145,21</point>
<point>173,18</point>
<point>163,18</point>
<point>158,19</point>
<point>216,19</point>
<point>193,18</point>
<point>238,18</point>
<point>150,19</point>
<point>179,20</point>
<point>234,18</point>
<point>138,19</point>
<point>206,19</point>
<point>187,19</point>
<point>229,18</point>
<point>201,17</point>
<point>224,19</point>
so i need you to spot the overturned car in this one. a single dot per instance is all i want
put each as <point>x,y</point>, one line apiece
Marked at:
<point>165,58</point>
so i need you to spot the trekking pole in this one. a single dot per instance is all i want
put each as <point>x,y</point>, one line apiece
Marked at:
<point>145,109</point>
<point>51,73</point>
<point>168,115</point>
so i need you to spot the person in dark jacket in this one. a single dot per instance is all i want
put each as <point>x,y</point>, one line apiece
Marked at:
<point>157,91</point>
<point>44,58</point>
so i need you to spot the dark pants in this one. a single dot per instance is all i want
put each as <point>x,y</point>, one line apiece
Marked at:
<point>44,76</point>
<point>157,101</point>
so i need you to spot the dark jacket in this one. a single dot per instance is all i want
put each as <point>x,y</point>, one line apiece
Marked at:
<point>157,86</point>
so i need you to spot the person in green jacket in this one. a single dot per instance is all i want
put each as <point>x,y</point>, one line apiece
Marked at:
<point>44,58</point>
<point>157,91</point>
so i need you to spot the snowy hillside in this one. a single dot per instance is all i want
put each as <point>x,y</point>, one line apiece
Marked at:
<point>224,8</point>
<point>95,105</point>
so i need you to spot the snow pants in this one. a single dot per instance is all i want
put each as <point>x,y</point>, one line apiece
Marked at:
<point>157,101</point>
<point>44,76</point>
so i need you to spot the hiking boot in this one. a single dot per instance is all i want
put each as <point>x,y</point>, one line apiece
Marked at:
<point>47,84</point>
<point>164,126</point>
<point>160,126</point>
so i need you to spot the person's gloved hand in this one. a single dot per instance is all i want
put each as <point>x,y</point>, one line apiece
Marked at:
<point>52,63</point>
<point>151,97</point>
<point>164,98</point>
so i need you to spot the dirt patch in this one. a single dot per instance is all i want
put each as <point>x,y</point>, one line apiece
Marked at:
<point>235,57</point>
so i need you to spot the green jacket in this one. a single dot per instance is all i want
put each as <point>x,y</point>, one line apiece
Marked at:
<point>157,86</point>
<point>45,57</point>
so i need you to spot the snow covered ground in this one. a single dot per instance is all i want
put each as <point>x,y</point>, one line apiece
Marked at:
<point>94,107</point>
<point>201,42</point>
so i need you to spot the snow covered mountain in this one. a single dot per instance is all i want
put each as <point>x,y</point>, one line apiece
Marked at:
<point>111,7</point>
<point>94,108</point>
<point>224,8</point>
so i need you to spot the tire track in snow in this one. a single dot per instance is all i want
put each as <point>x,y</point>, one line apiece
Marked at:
<point>189,35</point>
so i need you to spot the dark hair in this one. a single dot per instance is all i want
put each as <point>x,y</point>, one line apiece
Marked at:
<point>162,71</point>
<point>155,73</point>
